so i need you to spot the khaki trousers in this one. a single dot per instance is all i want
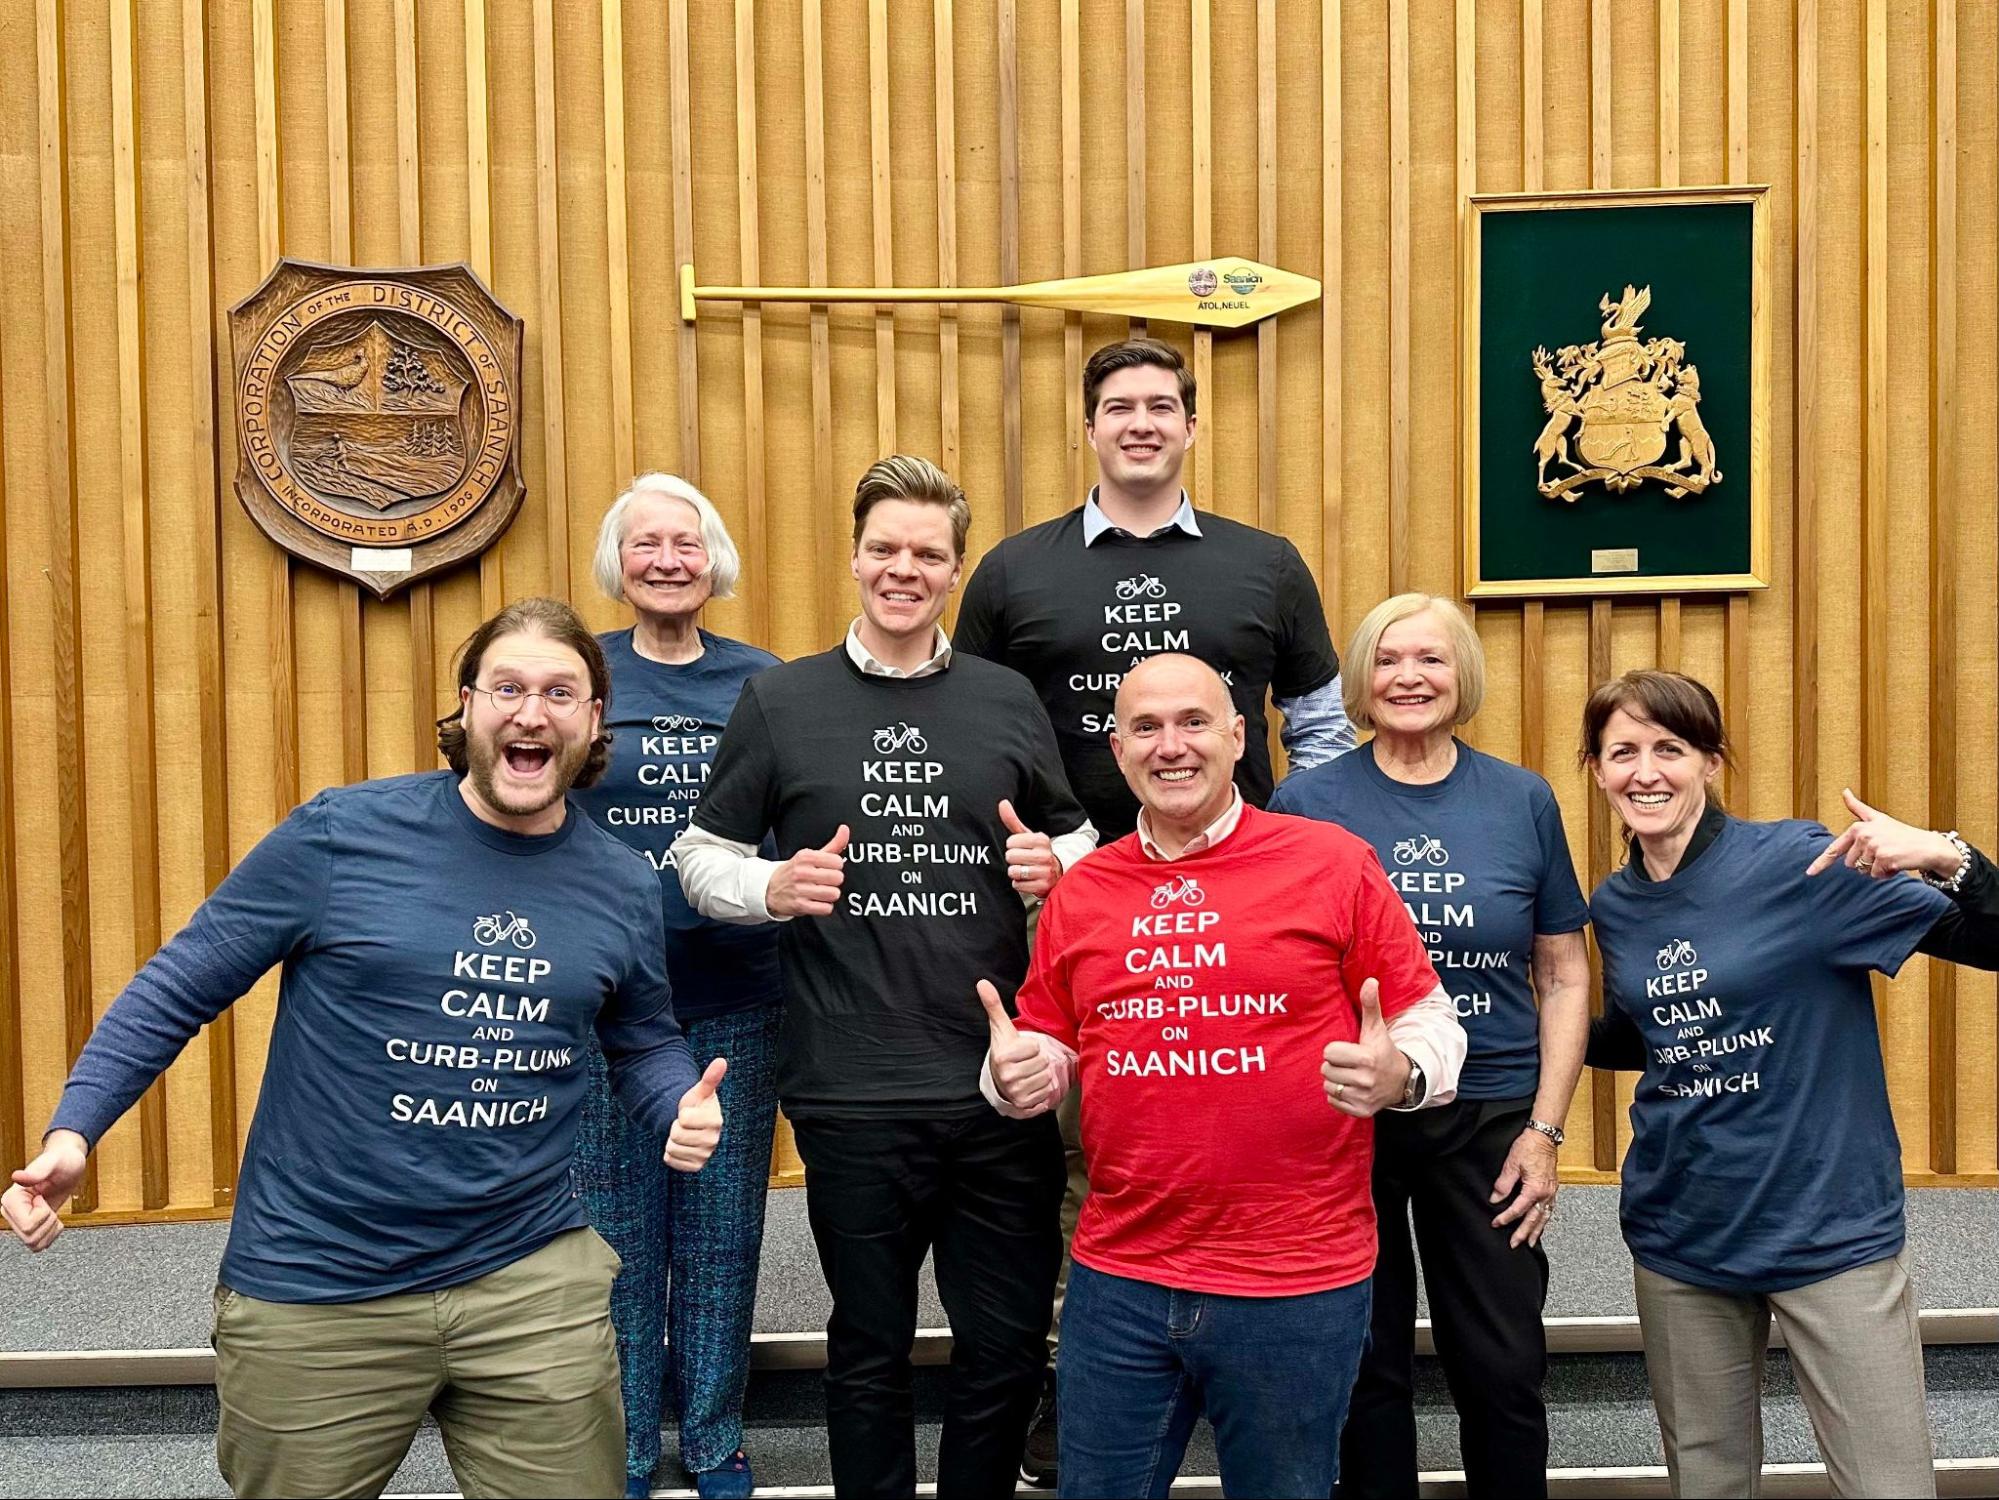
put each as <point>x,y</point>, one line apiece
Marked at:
<point>1858,1355</point>
<point>519,1367</point>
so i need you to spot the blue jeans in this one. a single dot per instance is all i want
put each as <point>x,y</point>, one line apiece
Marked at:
<point>1139,1362</point>
<point>690,1243</point>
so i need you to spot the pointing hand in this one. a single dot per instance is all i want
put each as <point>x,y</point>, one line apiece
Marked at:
<point>1880,846</point>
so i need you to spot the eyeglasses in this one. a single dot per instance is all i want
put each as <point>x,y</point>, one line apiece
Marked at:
<point>510,698</point>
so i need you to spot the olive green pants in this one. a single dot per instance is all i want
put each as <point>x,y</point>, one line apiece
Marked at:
<point>519,1367</point>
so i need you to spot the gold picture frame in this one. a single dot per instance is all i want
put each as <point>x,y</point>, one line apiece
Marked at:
<point>1504,517</point>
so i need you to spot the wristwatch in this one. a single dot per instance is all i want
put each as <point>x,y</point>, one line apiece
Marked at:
<point>1417,1089</point>
<point>1554,1133</point>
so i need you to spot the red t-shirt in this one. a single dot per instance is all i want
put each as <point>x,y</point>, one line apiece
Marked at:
<point>1199,996</point>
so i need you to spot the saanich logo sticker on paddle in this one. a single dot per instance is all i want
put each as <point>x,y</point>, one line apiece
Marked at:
<point>1202,281</point>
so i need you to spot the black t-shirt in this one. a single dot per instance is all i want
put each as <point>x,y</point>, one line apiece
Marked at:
<point>1074,619</point>
<point>882,1012</point>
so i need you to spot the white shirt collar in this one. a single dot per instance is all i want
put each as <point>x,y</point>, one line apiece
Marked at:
<point>870,667</point>
<point>1096,523</point>
<point>1207,838</point>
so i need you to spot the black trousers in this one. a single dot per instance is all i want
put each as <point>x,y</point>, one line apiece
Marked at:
<point>1436,1168</point>
<point>983,1192</point>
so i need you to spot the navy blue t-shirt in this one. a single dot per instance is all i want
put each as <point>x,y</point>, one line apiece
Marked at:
<point>442,978</point>
<point>665,723</point>
<point>1763,1153</point>
<point>1483,866</point>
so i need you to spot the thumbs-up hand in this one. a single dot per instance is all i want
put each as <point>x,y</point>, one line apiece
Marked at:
<point>698,1130</point>
<point>1879,846</point>
<point>1030,857</point>
<point>1365,1076</point>
<point>808,884</point>
<point>42,1187</point>
<point>1020,1067</point>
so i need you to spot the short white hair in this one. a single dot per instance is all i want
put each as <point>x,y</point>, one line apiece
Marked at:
<point>725,564</point>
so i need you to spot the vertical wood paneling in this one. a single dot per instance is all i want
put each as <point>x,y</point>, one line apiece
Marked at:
<point>884,223</point>
<point>1668,653</point>
<point>136,563</point>
<point>1735,618</point>
<point>1072,244</point>
<point>555,439</point>
<point>1465,177</point>
<point>1202,135</point>
<point>13,1063</point>
<point>63,566</point>
<point>618,245</point>
<point>206,494</point>
<point>1805,431</point>
<point>682,134</point>
<point>945,47</point>
<point>1266,251</point>
<point>1874,417</point>
<point>1942,560</point>
<point>479,228</point>
<point>1399,266</point>
<point>340,248</point>
<point>1135,35</point>
<point>280,605</point>
<point>756,534</point>
<point>1012,478</point>
<point>1332,280</point>
<point>825,506</point>
<point>409,245</point>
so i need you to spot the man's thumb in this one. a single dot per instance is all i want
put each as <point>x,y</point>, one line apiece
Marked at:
<point>837,842</point>
<point>996,1016</point>
<point>1859,809</point>
<point>1370,1006</point>
<point>1011,818</point>
<point>703,1091</point>
<point>36,1174</point>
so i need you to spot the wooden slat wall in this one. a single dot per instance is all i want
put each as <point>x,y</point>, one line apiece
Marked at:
<point>154,157</point>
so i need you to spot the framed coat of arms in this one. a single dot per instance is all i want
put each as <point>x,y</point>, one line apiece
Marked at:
<point>1617,393</point>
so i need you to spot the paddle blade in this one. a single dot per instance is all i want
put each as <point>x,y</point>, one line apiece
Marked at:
<point>1224,292</point>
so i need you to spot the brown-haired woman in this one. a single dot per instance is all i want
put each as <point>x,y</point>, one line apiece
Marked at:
<point>1764,1177</point>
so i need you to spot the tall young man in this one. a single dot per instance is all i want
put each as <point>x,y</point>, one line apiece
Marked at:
<point>407,1237</point>
<point>902,782</point>
<point>1236,993</point>
<point>1075,603</point>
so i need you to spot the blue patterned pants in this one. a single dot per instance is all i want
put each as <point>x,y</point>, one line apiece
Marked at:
<point>690,1244</point>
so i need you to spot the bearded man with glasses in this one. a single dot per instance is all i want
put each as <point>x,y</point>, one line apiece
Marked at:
<point>407,1236</point>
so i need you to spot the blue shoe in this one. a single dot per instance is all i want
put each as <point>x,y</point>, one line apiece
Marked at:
<point>730,1480</point>
<point>638,1489</point>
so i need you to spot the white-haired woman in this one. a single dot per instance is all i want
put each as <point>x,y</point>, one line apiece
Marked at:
<point>1476,847</point>
<point>690,1250</point>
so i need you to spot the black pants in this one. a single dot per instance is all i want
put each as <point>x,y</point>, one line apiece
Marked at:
<point>1437,1167</point>
<point>985,1193</point>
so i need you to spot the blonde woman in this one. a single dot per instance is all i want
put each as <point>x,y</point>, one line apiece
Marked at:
<point>1476,848</point>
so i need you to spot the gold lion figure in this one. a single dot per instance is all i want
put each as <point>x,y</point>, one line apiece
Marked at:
<point>1696,447</point>
<point>1552,446</point>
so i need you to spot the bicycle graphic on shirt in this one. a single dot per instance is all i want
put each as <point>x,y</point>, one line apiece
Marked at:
<point>1679,951</point>
<point>490,932</point>
<point>675,724</point>
<point>892,739</point>
<point>1186,888</point>
<point>1424,849</point>
<point>1141,586</point>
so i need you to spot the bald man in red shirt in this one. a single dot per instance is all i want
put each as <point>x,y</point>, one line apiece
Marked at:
<point>1237,992</point>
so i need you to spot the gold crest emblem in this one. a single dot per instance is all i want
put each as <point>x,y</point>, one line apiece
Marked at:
<point>1624,400</point>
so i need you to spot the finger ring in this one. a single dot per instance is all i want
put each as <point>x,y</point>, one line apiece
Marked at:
<point>1867,864</point>
<point>1339,1090</point>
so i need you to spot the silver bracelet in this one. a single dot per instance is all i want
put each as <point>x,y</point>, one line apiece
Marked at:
<point>1956,882</point>
<point>1554,1133</point>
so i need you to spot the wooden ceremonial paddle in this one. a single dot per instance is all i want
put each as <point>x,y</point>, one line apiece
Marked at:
<point>1224,292</point>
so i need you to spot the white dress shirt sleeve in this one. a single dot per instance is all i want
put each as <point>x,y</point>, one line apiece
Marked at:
<point>1070,847</point>
<point>1429,1034</point>
<point>722,878</point>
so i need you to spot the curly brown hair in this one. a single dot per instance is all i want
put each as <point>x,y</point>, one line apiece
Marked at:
<point>561,624</point>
